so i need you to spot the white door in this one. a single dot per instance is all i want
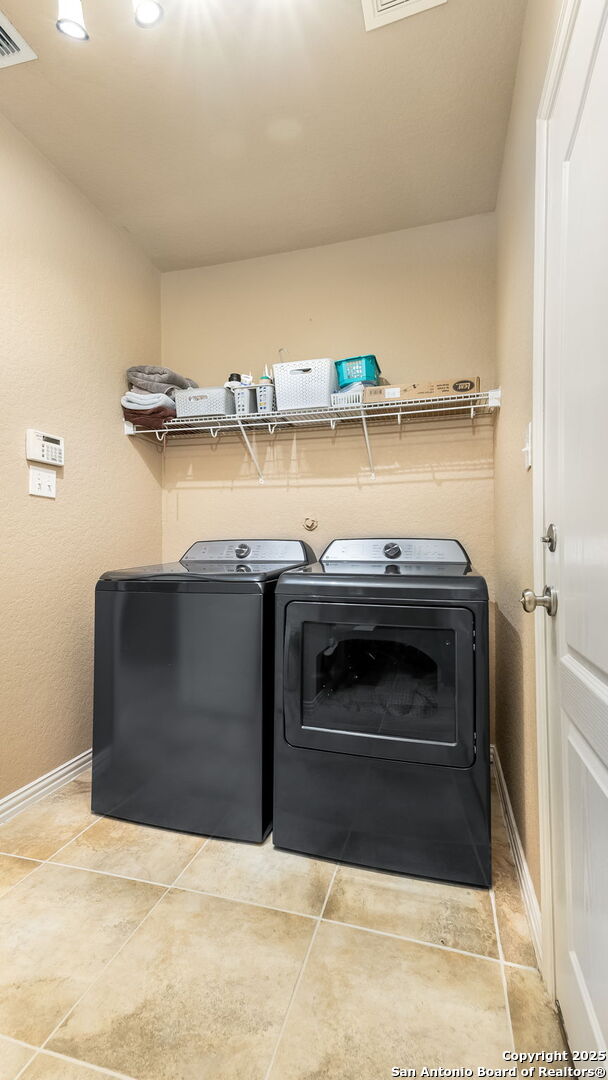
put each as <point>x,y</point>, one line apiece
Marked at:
<point>573,303</point>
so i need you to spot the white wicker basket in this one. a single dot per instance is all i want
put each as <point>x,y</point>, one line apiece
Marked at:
<point>204,401</point>
<point>245,400</point>
<point>308,385</point>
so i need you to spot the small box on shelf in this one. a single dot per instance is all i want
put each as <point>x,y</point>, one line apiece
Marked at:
<point>374,395</point>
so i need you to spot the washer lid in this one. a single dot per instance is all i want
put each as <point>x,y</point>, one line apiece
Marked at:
<point>217,560</point>
<point>211,558</point>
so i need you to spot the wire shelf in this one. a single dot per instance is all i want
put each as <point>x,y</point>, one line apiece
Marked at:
<point>416,410</point>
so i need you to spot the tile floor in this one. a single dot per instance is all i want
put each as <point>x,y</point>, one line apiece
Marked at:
<point>139,953</point>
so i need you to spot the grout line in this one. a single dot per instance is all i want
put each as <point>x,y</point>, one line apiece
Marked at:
<point>25,876</point>
<point>14,855</point>
<point>29,1061</point>
<point>108,873</point>
<point>318,920</point>
<point>414,941</point>
<point>503,975</point>
<point>104,968</point>
<point>329,888</point>
<point>38,1053</point>
<point>63,1057</point>
<point>521,967</point>
<point>238,900</point>
<point>190,861</point>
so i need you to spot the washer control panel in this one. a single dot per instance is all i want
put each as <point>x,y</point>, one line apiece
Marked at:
<point>251,551</point>
<point>400,549</point>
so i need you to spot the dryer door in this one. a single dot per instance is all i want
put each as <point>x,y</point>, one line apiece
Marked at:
<point>381,681</point>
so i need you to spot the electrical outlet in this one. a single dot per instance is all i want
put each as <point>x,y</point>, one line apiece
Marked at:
<point>43,482</point>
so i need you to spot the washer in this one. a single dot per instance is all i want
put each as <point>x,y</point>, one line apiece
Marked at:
<point>183,714</point>
<point>381,714</point>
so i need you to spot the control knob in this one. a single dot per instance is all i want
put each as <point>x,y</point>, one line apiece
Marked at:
<point>392,551</point>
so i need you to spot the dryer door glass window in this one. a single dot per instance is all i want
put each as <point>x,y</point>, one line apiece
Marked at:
<point>371,679</point>
<point>381,681</point>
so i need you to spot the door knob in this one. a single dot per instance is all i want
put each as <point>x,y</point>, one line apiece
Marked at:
<point>548,601</point>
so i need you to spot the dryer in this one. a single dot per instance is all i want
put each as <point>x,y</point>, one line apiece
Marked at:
<point>381,709</point>
<point>184,670</point>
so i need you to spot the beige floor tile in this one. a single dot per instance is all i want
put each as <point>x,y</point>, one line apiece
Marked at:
<point>136,851</point>
<point>535,1022</point>
<point>47,1067</point>
<point>199,993</point>
<point>261,874</point>
<point>499,828</point>
<point>511,915</point>
<point>443,914</point>
<point>367,1003</point>
<point>12,1058</point>
<point>58,928</point>
<point>12,870</point>
<point>44,827</point>
<point>513,925</point>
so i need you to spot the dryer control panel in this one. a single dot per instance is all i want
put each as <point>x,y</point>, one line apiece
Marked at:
<point>396,549</point>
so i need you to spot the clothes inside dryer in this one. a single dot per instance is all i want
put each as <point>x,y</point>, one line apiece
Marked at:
<point>375,680</point>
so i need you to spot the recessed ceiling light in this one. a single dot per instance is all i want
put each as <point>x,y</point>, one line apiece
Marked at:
<point>70,19</point>
<point>147,12</point>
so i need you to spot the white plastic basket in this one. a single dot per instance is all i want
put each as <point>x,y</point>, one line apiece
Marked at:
<point>347,397</point>
<point>204,401</point>
<point>245,400</point>
<point>307,385</point>
<point>265,398</point>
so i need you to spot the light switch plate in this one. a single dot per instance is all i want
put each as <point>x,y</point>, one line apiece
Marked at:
<point>43,482</point>
<point>527,448</point>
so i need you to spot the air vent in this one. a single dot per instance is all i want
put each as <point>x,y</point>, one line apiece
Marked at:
<point>13,49</point>
<point>381,12</point>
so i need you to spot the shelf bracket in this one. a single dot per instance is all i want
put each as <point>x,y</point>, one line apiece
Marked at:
<point>368,447</point>
<point>250,450</point>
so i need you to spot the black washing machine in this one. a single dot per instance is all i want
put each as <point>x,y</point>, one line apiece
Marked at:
<point>184,689</point>
<point>381,709</point>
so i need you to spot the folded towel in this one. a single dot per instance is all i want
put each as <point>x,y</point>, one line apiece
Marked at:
<point>152,419</point>
<point>157,379</point>
<point>132,400</point>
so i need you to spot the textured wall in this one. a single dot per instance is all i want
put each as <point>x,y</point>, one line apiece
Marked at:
<point>423,301</point>
<point>78,305</point>
<point>515,678</point>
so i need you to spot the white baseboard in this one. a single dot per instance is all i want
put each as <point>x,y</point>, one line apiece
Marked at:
<point>525,881</point>
<point>18,800</point>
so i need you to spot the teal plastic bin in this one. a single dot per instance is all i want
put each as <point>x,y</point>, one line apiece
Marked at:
<point>357,369</point>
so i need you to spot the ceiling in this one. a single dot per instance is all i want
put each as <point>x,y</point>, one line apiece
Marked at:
<point>238,128</point>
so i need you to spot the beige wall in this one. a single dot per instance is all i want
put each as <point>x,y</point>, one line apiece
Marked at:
<point>79,304</point>
<point>423,301</point>
<point>515,705</point>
